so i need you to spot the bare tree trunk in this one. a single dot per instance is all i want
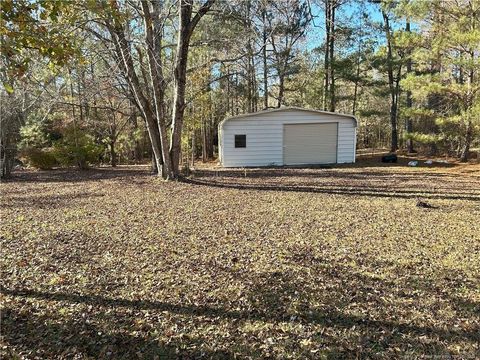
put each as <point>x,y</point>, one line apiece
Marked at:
<point>332,57</point>
<point>78,161</point>
<point>153,35</point>
<point>229,107</point>
<point>193,148</point>
<point>393,122</point>
<point>355,89</point>
<point>391,83</point>
<point>204,141</point>
<point>281,89</point>
<point>154,166</point>
<point>80,96</point>
<point>9,128</point>
<point>180,76</point>
<point>210,139</point>
<point>326,84</point>
<point>469,132</point>
<point>254,86</point>
<point>137,152</point>
<point>249,58</point>
<point>236,95</point>
<point>408,121</point>
<point>249,83</point>
<point>264,56</point>
<point>113,154</point>
<point>125,62</point>
<point>468,140</point>
<point>207,146</point>
<point>187,25</point>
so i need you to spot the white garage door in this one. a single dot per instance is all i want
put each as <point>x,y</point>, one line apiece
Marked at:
<point>310,143</point>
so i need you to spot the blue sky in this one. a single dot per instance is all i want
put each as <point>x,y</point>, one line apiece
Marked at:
<point>316,34</point>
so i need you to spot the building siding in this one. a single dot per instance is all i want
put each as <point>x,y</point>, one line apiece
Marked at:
<point>264,133</point>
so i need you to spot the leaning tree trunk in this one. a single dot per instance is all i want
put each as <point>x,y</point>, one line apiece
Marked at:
<point>126,64</point>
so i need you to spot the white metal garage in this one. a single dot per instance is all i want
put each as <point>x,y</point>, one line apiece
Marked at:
<point>287,136</point>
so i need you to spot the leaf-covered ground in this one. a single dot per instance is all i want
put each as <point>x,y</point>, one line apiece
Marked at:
<point>267,263</point>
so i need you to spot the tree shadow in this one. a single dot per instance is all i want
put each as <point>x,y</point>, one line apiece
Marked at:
<point>358,173</point>
<point>283,297</point>
<point>271,297</point>
<point>76,175</point>
<point>348,189</point>
<point>48,201</point>
<point>50,338</point>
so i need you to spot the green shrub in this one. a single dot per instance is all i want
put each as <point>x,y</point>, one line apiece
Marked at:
<point>81,155</point>
<point>77,148</point>
<point>43,159</point>
<point>39,131</point>
<point>33,136</point>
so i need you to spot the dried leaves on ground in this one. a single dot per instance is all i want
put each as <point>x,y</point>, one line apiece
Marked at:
<point>264,263</point>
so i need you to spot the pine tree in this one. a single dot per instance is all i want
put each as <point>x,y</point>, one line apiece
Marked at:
<point>447,64</point>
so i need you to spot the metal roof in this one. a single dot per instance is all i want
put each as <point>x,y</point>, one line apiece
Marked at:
<point>287,108</point>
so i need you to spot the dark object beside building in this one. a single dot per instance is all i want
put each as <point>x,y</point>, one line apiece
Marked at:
<point>390,158</point>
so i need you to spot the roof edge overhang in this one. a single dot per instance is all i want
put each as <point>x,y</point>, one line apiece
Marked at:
<point>286,108</point>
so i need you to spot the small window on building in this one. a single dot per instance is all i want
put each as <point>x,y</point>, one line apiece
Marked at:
<point>240,141</point>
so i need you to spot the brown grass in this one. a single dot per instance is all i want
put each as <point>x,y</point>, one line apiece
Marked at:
<point>257,263</point>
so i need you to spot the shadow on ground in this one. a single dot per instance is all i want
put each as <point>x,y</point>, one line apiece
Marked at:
<point>335,188</point>
<point>370,329</point>
<point>342,181</point>
<point>75,175</point>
